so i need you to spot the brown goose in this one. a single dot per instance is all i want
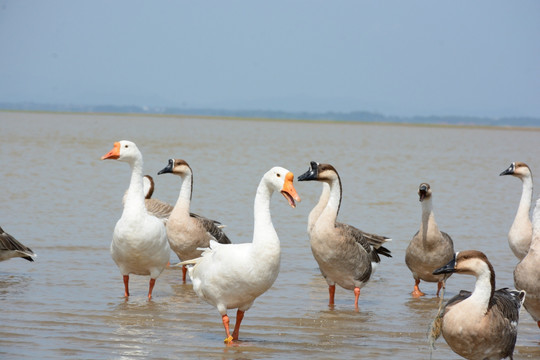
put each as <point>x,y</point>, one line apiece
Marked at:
<point>482,324</point>
<point>11,248</point>
<point>429,248</point>
<point>187,232</point>
<point>344,253</point>
<point>527,271</point>
<point>520,234</point>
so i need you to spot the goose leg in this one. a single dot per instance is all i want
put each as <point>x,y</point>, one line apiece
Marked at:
<point>416,292</point>
<point>225,320</point>
<point>331,292</point>
<point>239,317</point>
<point>126,285</point>
<point>538,323</point>
<point>151,287</point>
<point>356,296</point>
<point>184,271</point>
<point>440,284</point>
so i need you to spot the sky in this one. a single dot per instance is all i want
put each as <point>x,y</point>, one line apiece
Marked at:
<point>394,57</point>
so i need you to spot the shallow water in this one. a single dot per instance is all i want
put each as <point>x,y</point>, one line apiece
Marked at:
<point>63,202</point>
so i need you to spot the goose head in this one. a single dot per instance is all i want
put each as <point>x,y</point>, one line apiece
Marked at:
<point>518,169</point>
<point>281,179</point>
<point>123,150</point>
<point>177,167</point>
<point>319,172</point>
<point>424,191</point>
<point>469,262</point>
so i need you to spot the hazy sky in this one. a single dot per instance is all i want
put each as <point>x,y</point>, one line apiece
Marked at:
<point>399,57</point>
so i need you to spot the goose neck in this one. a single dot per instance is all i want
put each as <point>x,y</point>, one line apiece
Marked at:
<point>264,233</point>
<point>331,210</point>
<point>483,289</point>
<point>184,197</point>
<point>526,198</point>
<point>318,209</point>
<point>135,193</point>
<point>428,223</point>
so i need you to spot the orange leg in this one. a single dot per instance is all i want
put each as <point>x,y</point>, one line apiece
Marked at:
<point>440,284</point>
<point>538,323</point>
<point>151,287</point>
<point>126,285</point>
<point>416,292</point>
<point>239,317</point>
<point>356,296</point>
<point>184,271</point>
<point>225,320</point>
<point>331,292</point>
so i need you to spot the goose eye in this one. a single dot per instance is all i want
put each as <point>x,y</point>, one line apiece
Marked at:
<point>126,146</point>
<point>278,175</point>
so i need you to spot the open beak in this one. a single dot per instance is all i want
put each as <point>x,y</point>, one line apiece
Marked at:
<point>288,190</point>
<point>114,153</point>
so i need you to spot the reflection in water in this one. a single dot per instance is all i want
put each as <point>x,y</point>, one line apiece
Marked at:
<point>69,303</point>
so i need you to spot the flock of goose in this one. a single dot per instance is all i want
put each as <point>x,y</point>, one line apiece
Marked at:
<point>481,324</point>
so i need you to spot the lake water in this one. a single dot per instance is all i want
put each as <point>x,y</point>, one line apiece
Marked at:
<point>63,202</point>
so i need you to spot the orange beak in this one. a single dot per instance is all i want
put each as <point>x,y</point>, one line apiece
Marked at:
<point>289,191</point>
<point>114,153</point>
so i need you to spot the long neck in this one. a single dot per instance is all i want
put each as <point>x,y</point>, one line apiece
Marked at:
<point>318,209</point>
<point>535,243</point>
<point>526,199</point>
<point>483,289</point>
<point>264,234</point>
<point>330,212</point>
<point>184,198</point>
<point>428,224</point>
<point>135,193</point>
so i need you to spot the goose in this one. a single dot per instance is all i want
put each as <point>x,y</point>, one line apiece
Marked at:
<point>520,234</point>
<point>527,271</point>
<point>188,232</point>
<point>429,248</point>
<point>482,324</point>
<point>344,253</point>
<point>11,248</point>
<point>233,276</point>
<point>139,245</point>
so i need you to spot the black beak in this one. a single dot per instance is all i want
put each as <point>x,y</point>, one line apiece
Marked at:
<point>311,174</point>
<point>422,191</point>
<point>168,168</point>
<point>448,268</point>
<point>508,171</point>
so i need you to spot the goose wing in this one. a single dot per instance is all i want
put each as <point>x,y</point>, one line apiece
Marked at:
<point>371,243</point>
<point>215,228</point>
<point>9,243</point>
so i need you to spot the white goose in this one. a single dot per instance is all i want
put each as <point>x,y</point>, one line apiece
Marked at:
<point>429,248</point>
<point>139,244</point>
<point>527,271</point>
<point>520,234</point>
<point>482,324</point>
<point>187,232</point>
<point>233,276</point>
<point>345,254</point>
<point>11,248</point>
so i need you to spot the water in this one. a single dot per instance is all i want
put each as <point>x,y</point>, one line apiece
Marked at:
<point>63,202</point>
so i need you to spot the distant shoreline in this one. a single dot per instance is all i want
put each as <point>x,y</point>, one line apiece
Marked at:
<point>437,122</point>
